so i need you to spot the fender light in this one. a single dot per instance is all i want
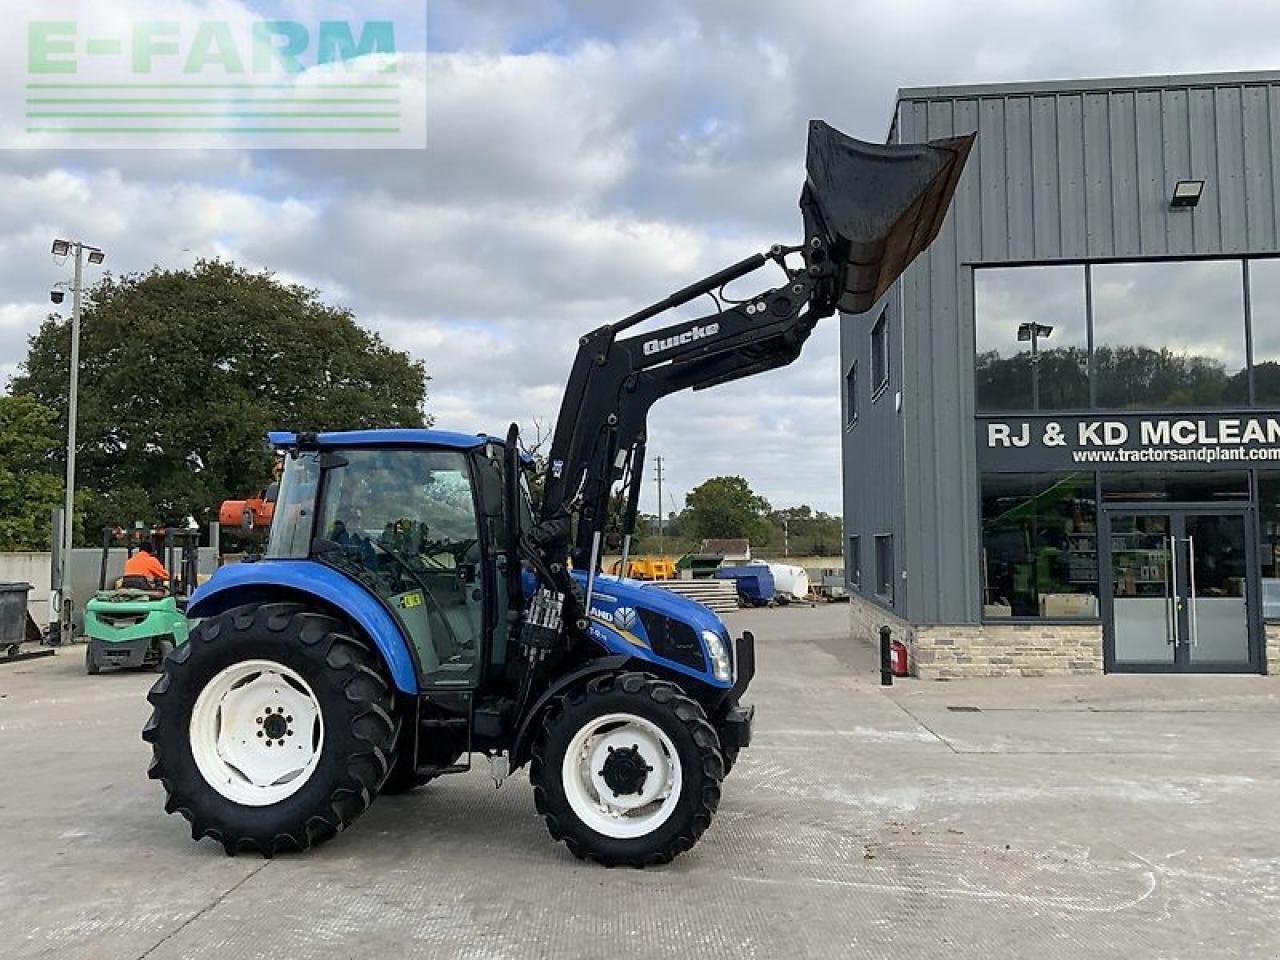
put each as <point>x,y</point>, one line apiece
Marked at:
<point>721,662</point>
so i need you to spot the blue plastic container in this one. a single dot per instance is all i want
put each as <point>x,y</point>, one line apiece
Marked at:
<point>754,582</point>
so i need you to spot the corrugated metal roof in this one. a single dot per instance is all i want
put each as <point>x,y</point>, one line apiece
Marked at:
<point>1026,87</point>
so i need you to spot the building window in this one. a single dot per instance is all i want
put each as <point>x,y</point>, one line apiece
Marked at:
<point>851,395</point>
<point>1032,338</point>
<point>880,355</point>
<point>1039,545</point>
<point>1186,486</point>
<point>1269,542</point>
<point>1169,334</point>
<point>853,563</point>
<point>884,566</point>
<point>1264,310</point>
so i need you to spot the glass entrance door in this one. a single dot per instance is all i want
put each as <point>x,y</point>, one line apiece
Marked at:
<point>1216,612</point>
<point>1142,598</point>
<point>1182,590</point>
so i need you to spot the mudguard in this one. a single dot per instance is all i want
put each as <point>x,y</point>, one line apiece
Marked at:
<point>241,583</point>
<point>528,724</point>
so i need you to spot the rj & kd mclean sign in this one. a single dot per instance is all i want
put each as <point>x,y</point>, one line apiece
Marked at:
<point>1196,441</point>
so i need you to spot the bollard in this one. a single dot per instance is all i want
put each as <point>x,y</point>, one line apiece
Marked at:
<point>886,661</point>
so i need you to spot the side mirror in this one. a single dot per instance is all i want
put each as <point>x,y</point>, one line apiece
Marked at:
<point>490,489</point>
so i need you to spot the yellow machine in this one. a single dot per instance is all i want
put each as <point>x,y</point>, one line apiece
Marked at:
<point>646,568</point>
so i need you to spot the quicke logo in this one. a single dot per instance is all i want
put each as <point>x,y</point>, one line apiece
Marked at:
<point>658,344</point>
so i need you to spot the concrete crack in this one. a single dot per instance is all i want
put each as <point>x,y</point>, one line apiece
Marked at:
<point>204,910</point>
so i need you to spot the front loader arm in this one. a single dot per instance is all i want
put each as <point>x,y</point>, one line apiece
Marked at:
<point>868,211</point>
<point>600,433</point>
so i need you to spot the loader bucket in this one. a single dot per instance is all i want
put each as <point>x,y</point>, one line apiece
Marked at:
<point>877,206</point>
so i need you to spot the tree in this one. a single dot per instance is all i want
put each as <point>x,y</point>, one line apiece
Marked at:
<point>183,372</point>
<point>30,487</point>
<point>725,507</point>
<point>808,532</point>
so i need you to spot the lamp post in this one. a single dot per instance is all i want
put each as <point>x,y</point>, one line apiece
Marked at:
<point>1033,332</point>
<point>62,248</point>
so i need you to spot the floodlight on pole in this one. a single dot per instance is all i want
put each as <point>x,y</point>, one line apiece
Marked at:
<point>63,592</point>
<point>1032,332</point>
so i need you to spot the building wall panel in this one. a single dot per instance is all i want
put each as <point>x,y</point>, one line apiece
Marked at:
<point>1176,154</point>
<point>1097,171</point>
<point>1152,194</point>
<point>1073,224</point>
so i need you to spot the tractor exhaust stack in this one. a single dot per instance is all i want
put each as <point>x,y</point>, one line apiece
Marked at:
<point>876,206</point>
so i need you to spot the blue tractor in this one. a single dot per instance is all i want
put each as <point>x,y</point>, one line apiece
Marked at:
<point>416,608</point>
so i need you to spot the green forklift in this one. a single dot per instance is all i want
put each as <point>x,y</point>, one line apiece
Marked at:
<point>134,623</point>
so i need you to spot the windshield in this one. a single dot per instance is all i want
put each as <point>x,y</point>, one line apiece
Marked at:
<point>295,507</point>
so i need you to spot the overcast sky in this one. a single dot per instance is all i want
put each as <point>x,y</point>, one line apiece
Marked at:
<point>584,159</point>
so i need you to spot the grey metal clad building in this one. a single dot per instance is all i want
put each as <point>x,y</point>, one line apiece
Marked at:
<point>1062,425</point>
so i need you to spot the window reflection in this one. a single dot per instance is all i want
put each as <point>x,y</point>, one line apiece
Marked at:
<point>1039,545</point>
<point>1269,542</point>
<point>1169,334</point>
<point>1032,338</point>
<point>1264,301</point>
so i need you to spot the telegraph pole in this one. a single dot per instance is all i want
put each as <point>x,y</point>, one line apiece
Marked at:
<point>662,550</point>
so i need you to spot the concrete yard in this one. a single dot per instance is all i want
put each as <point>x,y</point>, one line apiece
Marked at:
<point>1108,817</point>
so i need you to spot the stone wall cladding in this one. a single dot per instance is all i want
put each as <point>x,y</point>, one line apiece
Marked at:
<point>942,652</point>
<point>1272,651</point>
<point>953,652</point>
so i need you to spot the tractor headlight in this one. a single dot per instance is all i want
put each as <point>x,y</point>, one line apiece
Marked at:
<point>721,662</point>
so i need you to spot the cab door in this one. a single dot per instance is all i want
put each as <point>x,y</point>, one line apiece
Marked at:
<point>403,522</point>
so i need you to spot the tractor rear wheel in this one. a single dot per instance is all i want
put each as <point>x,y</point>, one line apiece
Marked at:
<point>272,728</point>
<point>627,771</point>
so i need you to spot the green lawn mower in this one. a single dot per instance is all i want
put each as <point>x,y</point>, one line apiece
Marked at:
<point>135,623</point>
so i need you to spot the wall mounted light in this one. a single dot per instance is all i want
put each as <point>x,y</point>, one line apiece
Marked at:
<point>1186,193</point>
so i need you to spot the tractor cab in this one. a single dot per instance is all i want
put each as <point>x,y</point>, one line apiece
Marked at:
<point>414,517</point>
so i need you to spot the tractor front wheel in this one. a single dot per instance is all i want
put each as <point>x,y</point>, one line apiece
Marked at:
<point>273,728</point>
<point>627,771</point>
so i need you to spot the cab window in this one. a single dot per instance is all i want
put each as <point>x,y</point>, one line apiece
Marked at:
<point>294,515</point>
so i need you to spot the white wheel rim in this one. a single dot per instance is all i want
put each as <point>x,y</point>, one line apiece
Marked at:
<point>257,732</point>
<point>596,805</point>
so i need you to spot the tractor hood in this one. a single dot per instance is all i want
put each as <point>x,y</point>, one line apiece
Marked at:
<point>876,206</point>
<point>647,622</point>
